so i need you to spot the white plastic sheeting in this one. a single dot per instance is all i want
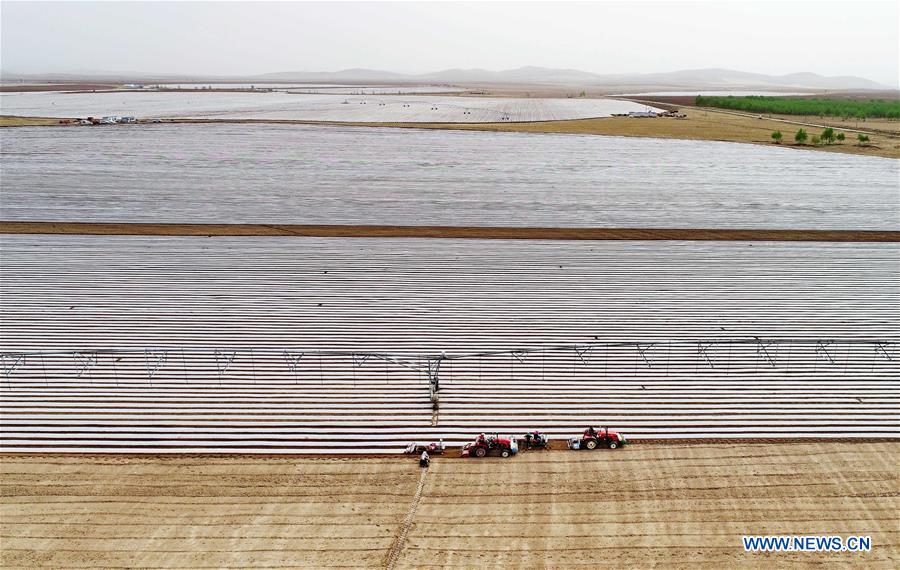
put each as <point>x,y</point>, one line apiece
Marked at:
<point>349,175</point>
<point>309,107</point>
<point>200,306</point>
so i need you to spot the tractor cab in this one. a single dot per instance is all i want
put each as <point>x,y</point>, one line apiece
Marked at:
<point>592,439</point>
<point>504,446</point>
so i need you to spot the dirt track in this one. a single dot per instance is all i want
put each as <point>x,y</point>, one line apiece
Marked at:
<point>456,232</point>
<point>665,505</point>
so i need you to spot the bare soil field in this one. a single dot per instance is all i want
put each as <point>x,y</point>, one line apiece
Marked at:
<point>452,232</point>
<point>23,88</point>
<point>671,506</point>
<point>8,121</point>
<point>874,125</point>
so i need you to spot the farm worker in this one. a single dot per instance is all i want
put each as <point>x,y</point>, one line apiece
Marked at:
<point>591,432</point>
<point>423,461</point>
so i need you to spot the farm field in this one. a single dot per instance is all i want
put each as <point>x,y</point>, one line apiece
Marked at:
<point>813,106</point>
<point>309,107</point>
<point>883,126</point>
<point>348,175</point>
<point>701,124</point>
<point>6,121</point>
<point>223,335</point>
<point>708,125</point>
<point>671,505</point>
<point>259,290</point>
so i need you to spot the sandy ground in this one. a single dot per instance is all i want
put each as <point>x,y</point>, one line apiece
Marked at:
<point>672,506</point>
<point>454,232</point>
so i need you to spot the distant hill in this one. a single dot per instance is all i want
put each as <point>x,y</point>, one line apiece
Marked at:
<point>728,78</point>
<point>689,79</point>
<point>356,75</point>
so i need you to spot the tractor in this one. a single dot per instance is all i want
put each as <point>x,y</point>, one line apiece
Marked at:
<point>484,445</point>
<point>591,439</point>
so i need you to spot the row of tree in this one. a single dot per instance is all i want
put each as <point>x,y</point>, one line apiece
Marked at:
<point>828,136</point>
<point>847,108</point>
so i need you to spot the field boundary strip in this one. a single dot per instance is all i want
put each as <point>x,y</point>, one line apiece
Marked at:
<point>449,232</point>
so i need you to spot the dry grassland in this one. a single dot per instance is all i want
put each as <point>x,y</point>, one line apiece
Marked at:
<point>671,506</point>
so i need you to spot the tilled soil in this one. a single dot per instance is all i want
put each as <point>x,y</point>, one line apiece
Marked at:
<point>447,232</point>
<point>675,505</point>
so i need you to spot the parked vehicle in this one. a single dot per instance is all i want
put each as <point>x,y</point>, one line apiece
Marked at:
<point>127,120</point>
<point>109,120</point>
<point>592,439</point>
<point>483,445</point>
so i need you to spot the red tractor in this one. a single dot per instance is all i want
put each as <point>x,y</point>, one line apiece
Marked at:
<point>591,439</point>
<point>483,445</point>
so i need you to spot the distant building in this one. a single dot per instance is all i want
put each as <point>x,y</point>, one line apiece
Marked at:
<point>639,114</point>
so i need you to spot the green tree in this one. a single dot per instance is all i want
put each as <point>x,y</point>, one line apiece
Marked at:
<point>863,139</point>
<point>776,136</point>
<point>815,140</point>
<point>801,136</point>
<point>828,136</point>
<point>840,137</point>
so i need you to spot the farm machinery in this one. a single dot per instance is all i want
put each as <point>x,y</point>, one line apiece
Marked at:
<point>592,439</point>
<point>483,445</point>
<point>536,440</point>
<point>432,448</point>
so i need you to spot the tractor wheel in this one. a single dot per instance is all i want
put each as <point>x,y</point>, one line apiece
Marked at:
<point>480,452</point>
<point>613,445</point>
<point>504,453</point>
<point>590,444</point>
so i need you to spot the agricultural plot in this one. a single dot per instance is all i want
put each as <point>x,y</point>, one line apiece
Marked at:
<point>343,175</point>
<point>264,344</point>
<point>309,107</point>
<point>669,506</point>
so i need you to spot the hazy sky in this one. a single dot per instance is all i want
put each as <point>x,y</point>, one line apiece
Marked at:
<point>218,38</point>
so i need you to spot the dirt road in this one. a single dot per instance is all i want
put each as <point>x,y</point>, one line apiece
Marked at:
<point>664,505</point>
